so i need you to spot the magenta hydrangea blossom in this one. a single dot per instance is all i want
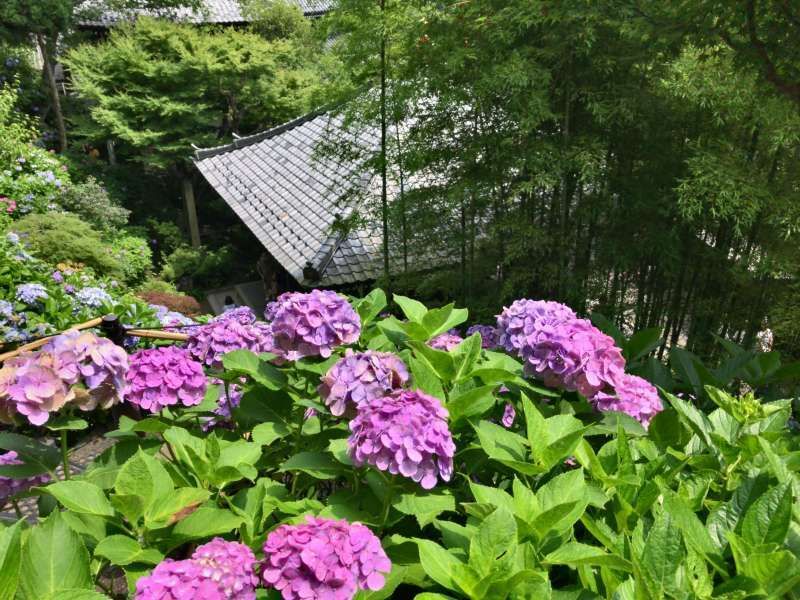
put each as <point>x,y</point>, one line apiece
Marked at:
<point>165,376</point>
<point>490,336</point>
<point>634,396</point>
<point>11,486</point>
<point>600,363</point>
<point>241,314</point>
<point>404,432</point>
<point>324,558</point>
<point>312,324</point>
<point>522,325</point>
<point>446,341</point>
<point>231,565</point>
<point>210,342</point>
<point>99,365</point>
<point>359,377</point>
<point>218,570</point>
<point>509,415</point>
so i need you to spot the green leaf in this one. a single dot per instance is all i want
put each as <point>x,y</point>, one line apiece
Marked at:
<point>425,378</point>
<point>173,507</point>
<point>144,478</point>
<point>266,433</point>
<point>442,363</point>
<point>692,418</point>
<point>663,553</point>
<point>54,559</point>
<point>425,507</point>
<point>254,366</point>
<point>471,403</point>
<point>122,550</point>
<point>695,534</point>
<point>65,422</point>
<point>370,306</point>
<point>10,560</point>
<point>77,595</point>
<point>576,554</point>
<point>319,465</point>
<point>205,522</point>
<point>439,320</point>
<point>642,343</point>
<point>81,497</point>
<point>608,327</point>
<point>466,354</point>
<point>767,520</point>
<point>496,536</point>
<point>412,309</point>
<point>438,563</point>
<point>726,517</point>
<point>47,458</point>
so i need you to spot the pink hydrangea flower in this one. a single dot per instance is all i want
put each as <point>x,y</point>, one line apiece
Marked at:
<point>218,570</point>
<point>210,342</point>
<point>312,324</point>
<point>359,377</point>
<point>36,389</point>
<point>634,396</point>
<point>404,432</point>
<point>165,376</point>
<point>446,341</point>
<point>324,558</point>
<point>11,486</point>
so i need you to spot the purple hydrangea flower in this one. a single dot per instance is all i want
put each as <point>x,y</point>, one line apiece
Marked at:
<point>634,396</point>
<point>521,325</point>
<point>6,309</point>
<point>242,314</point>
<point>230,565</point>
<point>210,342</point>
<point>57,277</point>
<point>176,580</point>
<point>600,363</point>
<point>404,432</point>
<point>324,558</point>
<point>31,293</point>
<point>34,387</point>
<point>99,365</point>
<point>170,319</point>
<point>509,415</point>
<point>11,486</point>
<point>93,297</point>
<point>359,377</point>
<point>446,341</point>
<point>490,336</point>
<point>312,324</point>
<point>164,376</point>
<point>12,238</point>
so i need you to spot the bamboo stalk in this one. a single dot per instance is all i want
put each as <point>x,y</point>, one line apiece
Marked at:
<point>158,335</point>
<point>42,341</point>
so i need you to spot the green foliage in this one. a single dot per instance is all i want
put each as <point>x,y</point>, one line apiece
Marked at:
<point>65,238</point>
<point>160,87</point>
<point>91,202</point>
<point>276,19</point>
<point>134,256</point>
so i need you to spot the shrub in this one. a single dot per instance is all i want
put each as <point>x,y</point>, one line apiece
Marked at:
<point>61,237</point>
<point>134,255</point>
<point>153,284</point>
<point>205,268</point>
<point>90,201</point>
<point>176,302</point>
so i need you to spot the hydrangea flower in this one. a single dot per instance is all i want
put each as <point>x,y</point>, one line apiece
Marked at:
<point>164,376</point>
<point>490,336</point>
<point>242,314</point>
<point>12,238</point>
<point>6,309</point>
<point>31,293</point>
<point>230,565</point>
<point>358,377</point>
<point>446,341</point>
<point>634,396</point>
<point>57,277</point>
<point>404,432</point>
<point>210,342</point>
<point>11,486</point>
<point>218,570</point>
<point>93,297</point>
<point>312,324</point>
<point>99,365</point>
<point>36,388</point>
<point>324,558</point>
<point>600,363</point>
<point>522,325</point>
<point>172,319</point>
<point>509,415</point>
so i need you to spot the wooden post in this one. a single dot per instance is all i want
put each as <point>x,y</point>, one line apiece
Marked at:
<point>191,211</point>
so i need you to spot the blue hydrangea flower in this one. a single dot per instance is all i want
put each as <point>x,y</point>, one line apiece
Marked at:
<point>93,297</point>
<point>6,309</point>
<point>12,237</point>
<point>30,293</point>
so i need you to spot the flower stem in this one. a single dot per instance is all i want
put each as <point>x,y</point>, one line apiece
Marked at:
<point>65,453</point>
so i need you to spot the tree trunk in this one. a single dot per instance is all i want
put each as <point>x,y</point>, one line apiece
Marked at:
<point>55,99</point>
<point>384,198</point>
<point>191,211</point>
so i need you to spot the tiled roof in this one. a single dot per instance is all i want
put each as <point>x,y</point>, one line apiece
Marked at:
<point>227,12</point>
<point>290,198</point>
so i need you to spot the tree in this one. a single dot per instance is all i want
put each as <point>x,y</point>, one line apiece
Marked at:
<point>276,19</point>
<point>159,87</point>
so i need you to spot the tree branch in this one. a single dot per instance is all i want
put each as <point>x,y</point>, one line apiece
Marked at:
<point>787,88</point>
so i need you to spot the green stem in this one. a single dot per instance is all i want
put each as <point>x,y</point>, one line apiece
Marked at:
<point>387,506</point>
<point>65,453</point>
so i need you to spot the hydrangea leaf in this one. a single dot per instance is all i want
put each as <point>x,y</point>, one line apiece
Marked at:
<point>81,497</point>
<point>10,559</point>
<point>122,550</point>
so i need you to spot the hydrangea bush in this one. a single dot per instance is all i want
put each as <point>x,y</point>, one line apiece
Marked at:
<point>532,459</point>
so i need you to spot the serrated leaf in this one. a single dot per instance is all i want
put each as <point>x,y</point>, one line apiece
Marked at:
<point>767,520</point>
<point>425,507</point>
<point>81,497</point>
<point>122,550</point>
